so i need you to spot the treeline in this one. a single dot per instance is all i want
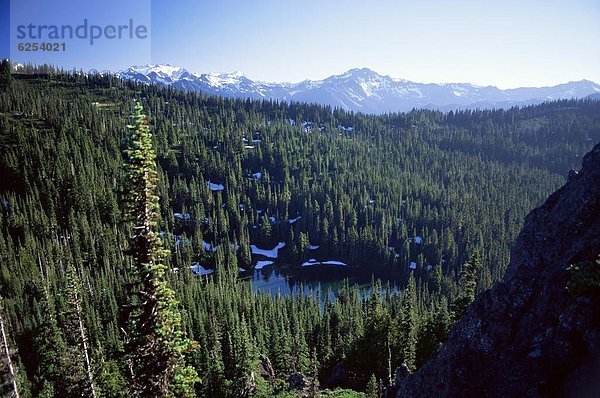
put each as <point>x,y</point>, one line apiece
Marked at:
<point>378,192</point>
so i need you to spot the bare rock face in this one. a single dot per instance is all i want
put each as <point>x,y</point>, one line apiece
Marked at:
<point>265,368</point>
<point>298,381</point>
<point>528,337</point>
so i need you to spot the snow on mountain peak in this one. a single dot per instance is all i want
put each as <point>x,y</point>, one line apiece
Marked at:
<point>356,73</point>
<point>161,70</point>
<point>223,79</point>
<point>359,89</point>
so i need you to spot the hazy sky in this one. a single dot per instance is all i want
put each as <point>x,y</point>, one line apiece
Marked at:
<point>505,43</point>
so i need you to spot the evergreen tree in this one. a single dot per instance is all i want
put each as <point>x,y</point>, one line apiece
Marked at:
<point>372,390</point>
<point>214,383</point>
<point>243,361</point>
<point>432,332</point>
<point>313,380</point>
<point>155,344</point>
<point>60,153</point>
<point>371,353</point>
<point>11,379</point>
<point>5,72</point>
<point>303,243</point>
<point>467,285</point>
<point>408,325</point>
<point>55,369</point>
<point>265,231</point>
<point>110,381</point>
<point>77,336</point>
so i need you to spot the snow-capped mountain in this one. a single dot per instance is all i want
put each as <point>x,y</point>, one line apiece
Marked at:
<point>359,90</point>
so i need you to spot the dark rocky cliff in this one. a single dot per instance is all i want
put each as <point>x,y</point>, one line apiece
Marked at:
<point>528,337</point>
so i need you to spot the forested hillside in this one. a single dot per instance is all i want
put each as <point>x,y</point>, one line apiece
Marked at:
<point>433,199</point>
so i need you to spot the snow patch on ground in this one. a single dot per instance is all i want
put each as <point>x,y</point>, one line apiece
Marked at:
<point>261,264</point>
<point>215,187</point>
<point>184,216</point>
<point>180,239</point>
<point>208,247</point>
<point>312,261</point>
<point>200,270</point>
<point>272,253</point>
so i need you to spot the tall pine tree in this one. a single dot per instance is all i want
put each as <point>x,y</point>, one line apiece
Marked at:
<point>76,333</point>
<point>9,378</point>
<point>467,285</point>
<point>155,344</point>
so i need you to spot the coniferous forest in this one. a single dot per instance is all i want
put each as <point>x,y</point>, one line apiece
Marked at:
<point>125,240</point>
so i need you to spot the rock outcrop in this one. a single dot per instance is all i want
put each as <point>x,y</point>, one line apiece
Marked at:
<point>527,336</point>
<point>298,381</point>
<point>265,368</point>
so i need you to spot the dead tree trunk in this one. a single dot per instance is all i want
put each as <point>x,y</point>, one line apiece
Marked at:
<point>11,369</point>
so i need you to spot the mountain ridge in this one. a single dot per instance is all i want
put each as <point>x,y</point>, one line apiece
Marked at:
<point>358,89</point>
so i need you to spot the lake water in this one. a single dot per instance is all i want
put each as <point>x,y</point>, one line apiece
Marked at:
<point>286,280</point>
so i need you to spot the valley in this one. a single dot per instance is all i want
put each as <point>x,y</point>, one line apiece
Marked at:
<point>338,245</point>
<point>299,199</point>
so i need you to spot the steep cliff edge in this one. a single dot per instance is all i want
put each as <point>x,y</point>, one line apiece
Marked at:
<point>528,337</point>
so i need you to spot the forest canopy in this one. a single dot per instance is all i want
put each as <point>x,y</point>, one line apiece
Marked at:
<point>434,199</point>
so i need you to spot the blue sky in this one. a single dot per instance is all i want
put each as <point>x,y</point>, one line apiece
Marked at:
<point>504,43</point>
<point>78,53</point>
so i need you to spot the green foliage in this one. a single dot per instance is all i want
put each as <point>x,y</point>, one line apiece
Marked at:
<point>110,380</point>
<point>5,72</point>
<point>47,390</point>
<point>263,390</point>
<point>54,362</point>
<point>585,278</point>
<point>433,331</point>
<point>407,329</point>
<point>156,345</point>
<point>214,383</point>
<point>457,180</point>
<point>371,351</point>
<point>467,285</point>
<point>342,393</point>
<point>372,390</point>
<point>265,231</point>
<point>76,335</point>
<point>313,376</point>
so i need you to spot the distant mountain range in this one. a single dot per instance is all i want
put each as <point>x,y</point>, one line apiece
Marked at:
<point>360,90</point>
